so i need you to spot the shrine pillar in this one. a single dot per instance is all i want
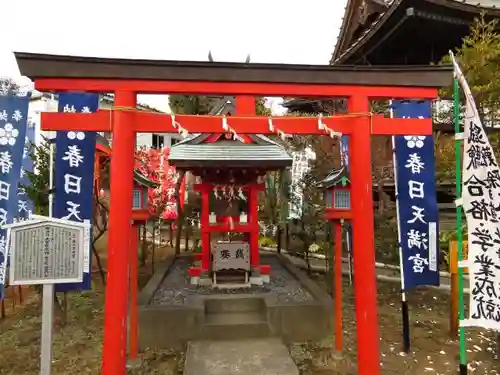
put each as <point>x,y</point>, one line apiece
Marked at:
<point>337,229</point>
<point>134,293</point>
<point>205,230</point>
<point>121,176</point>
<point>245,105</point>
<point>253,211</point>
<point>363,239</point>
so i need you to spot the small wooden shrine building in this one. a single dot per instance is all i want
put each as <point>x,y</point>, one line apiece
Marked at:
<point>229,178</point>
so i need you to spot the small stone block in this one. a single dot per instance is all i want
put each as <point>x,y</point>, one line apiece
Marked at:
<point>255,272</point>
<point>206,281</point>
<point>265,269</point>
<point>194,272</point>
<point>256,280</point>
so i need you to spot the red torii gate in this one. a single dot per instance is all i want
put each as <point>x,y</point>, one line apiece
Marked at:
<point>126,78</point>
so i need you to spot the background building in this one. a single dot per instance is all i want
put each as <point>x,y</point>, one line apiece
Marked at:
<point>49,103</point>
<point>406,32</point>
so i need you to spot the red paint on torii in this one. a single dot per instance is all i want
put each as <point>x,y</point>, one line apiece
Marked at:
<point>144,122</point>
<point>124,121</point>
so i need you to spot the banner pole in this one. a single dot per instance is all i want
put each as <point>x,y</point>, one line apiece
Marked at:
<point>458,188</point>
<point>405,312</point>
<point>48,290</point>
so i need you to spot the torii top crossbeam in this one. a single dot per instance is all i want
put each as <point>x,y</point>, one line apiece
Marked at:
<point>127,78</point>
<point>68,73</point>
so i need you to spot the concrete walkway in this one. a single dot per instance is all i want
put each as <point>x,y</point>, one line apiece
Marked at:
<point>239,357</point>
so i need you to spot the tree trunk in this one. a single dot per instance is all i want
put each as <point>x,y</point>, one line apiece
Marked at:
<point>278,239</point>
<point>180,214</point>
<point>186,238</point>
<point>154,240</point>
<point>306,244</point>
<point>170,234</point>
<point>99,263</point>
<point>381,202</point>
<point>287,237</point>
<point>498,345</point>
<point>144,245</point>
<point>101,224</point>
<point>178,234</point>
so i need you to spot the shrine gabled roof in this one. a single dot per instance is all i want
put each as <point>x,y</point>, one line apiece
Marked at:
<point>334,178</point>
<point>401,10</point>
<point>262,153</point>
<point>142,180</point>
<point>221,107</point>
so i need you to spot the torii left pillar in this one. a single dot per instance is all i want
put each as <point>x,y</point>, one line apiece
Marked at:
<point>116,301</point>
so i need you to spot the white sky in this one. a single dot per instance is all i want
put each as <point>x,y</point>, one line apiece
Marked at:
<point>274,31</point>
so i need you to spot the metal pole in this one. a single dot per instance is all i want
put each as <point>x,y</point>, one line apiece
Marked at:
<point>48,291</point>
<point>405,312</point>
<point>349,250</point>
<point>47,319</point>
<point>458,187</point>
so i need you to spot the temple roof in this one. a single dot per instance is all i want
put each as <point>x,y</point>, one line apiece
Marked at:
<point>143,181</point>
<point>263,153</point>
<point>335,178</point>
<point>405,31</point>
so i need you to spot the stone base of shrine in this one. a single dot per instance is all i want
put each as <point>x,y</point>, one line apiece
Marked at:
<point>258,276</point>
<point>172,311</point>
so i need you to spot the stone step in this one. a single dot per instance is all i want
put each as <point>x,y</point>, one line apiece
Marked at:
<point>226,305</point>
<point>245,357</point>
<point>236,326</point>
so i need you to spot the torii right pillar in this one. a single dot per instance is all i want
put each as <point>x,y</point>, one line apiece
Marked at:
<point>363,239</point>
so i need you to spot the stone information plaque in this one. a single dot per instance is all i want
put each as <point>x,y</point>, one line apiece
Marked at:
<point>231,255</point>
<point>46,253</point>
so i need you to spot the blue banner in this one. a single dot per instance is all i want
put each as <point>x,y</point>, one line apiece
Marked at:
<point>74,176</point>
<point>13,119</point>
<point>344,160</point>
<point>344,151</point>
<point>25,205</point>
<point>417,203</point>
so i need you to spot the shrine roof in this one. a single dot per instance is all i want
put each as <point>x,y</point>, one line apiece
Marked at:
<point>38,66</point>
<point>375,32</point>
<point>334,178</point>
<point>101,140</point>
<point>143,181</point>
<point>264,152</point>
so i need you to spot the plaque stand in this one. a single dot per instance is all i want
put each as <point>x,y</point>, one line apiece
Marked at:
<point>47,323</point>
<point>48,290</point>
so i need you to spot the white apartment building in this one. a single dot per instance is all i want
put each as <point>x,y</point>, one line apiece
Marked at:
<point>49,103</point>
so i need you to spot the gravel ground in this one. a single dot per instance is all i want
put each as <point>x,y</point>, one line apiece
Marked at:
<point>282,288</point>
